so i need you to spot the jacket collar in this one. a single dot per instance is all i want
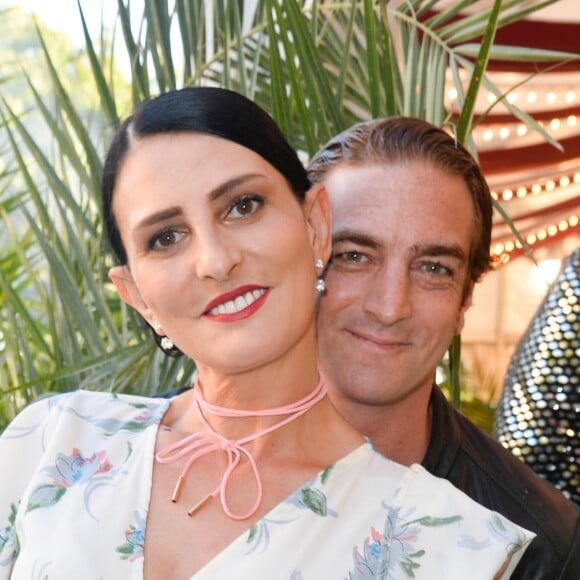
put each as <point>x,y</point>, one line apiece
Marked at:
<point>444,438</point>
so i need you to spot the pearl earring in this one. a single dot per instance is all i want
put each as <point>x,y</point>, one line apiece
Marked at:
<point>166,343</point>
<point>320,286</point>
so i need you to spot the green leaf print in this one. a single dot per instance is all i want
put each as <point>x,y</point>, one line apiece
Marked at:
<point>7,533</point>
<point>252,533</point>
<point>125,549</point>
<point>498,523</point>
<point>409,568</point>
<point>432,522</point>
<point>45,496</point>
<point>315,500</point>
<point>325,474</point>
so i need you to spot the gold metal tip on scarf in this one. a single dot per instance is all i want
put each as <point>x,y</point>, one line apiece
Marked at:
<point>178,488</point>
<point>199,504</point>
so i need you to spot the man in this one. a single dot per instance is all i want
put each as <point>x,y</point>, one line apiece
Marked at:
<point>412,219</point>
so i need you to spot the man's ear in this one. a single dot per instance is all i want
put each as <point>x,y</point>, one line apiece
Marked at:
<point>318,217</point>
<point>125,284</point>
<point>465,306</point>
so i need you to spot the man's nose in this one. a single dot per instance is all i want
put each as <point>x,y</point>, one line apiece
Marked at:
<point>388,297</point>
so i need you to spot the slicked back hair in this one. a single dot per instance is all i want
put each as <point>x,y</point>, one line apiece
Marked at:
<point>401,139</point>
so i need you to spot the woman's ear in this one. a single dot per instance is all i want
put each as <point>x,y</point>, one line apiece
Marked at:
<point>318,217</point>
<point>125,284</point>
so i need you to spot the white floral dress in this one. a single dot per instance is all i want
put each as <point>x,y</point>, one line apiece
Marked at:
<point>75,488</point>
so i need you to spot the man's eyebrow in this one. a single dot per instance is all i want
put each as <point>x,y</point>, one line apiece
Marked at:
<point>355,237</point>
<point>453,250</point>
<point>214,194</point>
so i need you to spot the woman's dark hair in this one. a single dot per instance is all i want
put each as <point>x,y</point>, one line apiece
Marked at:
<point>209,110</point>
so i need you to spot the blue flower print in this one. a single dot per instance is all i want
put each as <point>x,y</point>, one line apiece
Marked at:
<point>369,563</point>
<point>397,548</point>
<point>132,549</point>
<point>73,469</point>
<point>69,471</point>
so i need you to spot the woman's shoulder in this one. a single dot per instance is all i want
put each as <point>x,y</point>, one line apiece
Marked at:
<point>108,411</point>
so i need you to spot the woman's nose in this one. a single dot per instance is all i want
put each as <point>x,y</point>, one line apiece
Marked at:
<point>216,256</point>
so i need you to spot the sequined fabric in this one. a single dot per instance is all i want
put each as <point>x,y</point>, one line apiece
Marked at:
<point>538,417</point>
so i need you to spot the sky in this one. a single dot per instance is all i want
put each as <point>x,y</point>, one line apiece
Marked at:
<point>63,15</point>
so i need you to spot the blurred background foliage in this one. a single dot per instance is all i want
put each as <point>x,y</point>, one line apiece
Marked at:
<point>317,66</point>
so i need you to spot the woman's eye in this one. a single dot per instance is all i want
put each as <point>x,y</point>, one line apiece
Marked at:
<point>164,239</point>
<point>245,206</point>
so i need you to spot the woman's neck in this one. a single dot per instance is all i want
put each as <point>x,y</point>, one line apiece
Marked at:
<point>268,387</point>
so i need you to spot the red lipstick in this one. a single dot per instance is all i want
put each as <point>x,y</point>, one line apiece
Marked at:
<point>255,295</point>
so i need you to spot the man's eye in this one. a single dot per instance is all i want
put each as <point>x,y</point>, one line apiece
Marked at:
<point>437,269</point>
<point>245,206</point>
<point>164,239</point>
<point>355,257</point>
<point>349,257</point>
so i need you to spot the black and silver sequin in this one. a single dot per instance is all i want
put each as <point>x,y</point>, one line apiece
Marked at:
<point>538,417</point>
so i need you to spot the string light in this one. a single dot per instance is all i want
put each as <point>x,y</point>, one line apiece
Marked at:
<point>522,130</point>
<point>488,133</point>
<point>548,186</point>
<point>504,250</point>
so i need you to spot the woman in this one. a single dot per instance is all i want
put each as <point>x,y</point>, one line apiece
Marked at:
<point>220,240</point>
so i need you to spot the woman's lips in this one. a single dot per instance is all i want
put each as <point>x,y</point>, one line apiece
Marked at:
<point>237,304</point>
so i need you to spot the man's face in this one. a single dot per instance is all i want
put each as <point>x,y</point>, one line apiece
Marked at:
<point>395,297</point>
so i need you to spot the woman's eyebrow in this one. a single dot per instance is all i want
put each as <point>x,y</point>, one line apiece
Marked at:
<point>213,195</point>
<point>159,216</point>
<point>227,186</point>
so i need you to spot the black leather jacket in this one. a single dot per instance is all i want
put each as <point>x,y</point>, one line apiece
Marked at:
<point>494,477</point>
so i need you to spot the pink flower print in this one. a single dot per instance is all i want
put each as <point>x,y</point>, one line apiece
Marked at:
<point>369,564</point>
<point>92,472</point>
<point>73,469</point>
<point>132,549</point>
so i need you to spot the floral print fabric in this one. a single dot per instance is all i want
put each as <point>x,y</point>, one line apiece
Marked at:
<point>75,491</point>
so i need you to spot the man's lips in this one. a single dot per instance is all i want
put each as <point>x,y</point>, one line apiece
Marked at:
<point>238,303</point>
<point>378,341</point>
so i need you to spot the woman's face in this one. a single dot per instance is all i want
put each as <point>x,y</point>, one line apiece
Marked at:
<point>220,252</point>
